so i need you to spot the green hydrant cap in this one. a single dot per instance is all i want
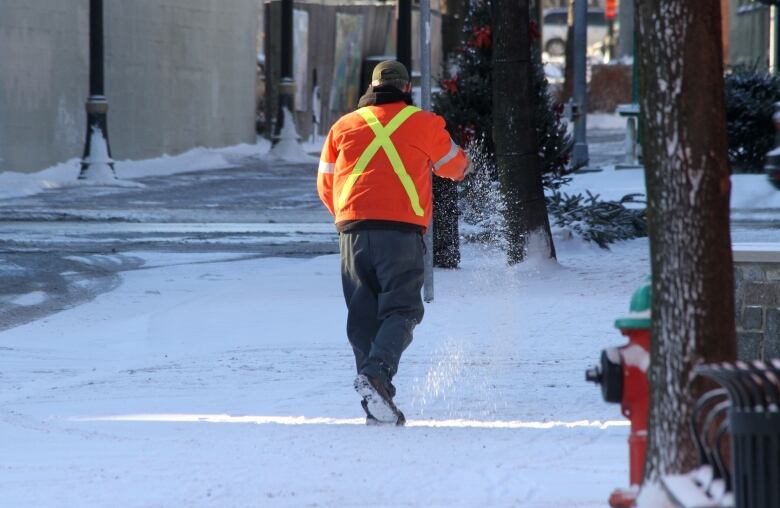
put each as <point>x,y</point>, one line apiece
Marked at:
<point>639,312</point>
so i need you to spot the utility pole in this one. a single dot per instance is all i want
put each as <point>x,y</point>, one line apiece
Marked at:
<point>626,32</point>
<point>611,13</point>
<point>580,155</point>
<point>774,34</point>
<point>286,89</point>
<point>771,59</point>
<point>403,42</point>
<point>96,163</point>
<point>425,95</point>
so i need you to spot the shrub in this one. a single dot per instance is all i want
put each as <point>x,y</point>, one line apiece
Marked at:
<point>750,96</point>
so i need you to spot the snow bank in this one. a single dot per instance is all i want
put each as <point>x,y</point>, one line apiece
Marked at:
<point>653,495</point>
<point>288,148</point>
<point>65,174</point>
<point>606,121</point>
<point>752,191</point>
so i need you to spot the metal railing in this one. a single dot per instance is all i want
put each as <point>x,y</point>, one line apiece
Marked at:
<point>753,391</point>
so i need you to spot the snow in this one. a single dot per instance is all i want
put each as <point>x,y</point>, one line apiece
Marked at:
<point>653,496</point>
<point>289,149</point>
<point>609,121</point>
<point>225,380</point>
<point>65,174</point>
<point>636,356</point>
<point>753,191</point>
<point>748,191</point>
<point>28,299</point>
<point>221,382</point>
<point>99,164</point>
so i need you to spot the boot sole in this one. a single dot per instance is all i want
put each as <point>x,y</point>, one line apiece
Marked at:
<point>377,406</point>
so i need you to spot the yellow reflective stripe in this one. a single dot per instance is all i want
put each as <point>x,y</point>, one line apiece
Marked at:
<point>382,140</point>
<point>406,180</point>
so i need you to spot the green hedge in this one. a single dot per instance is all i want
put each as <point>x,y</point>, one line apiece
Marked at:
<point>750,97</point>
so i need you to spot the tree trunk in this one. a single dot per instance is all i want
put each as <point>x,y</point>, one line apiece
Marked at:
<point>446,235</point>
<point>684,146</point>
<point>514,132</point>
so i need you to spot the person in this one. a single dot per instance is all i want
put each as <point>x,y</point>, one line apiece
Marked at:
<point>374,177</point>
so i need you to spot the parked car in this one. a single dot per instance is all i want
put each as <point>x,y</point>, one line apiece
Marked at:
<point>554,28</point>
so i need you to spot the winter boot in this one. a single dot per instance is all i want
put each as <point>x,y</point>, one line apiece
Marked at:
<point>378,402</point>
<point>370,420</point>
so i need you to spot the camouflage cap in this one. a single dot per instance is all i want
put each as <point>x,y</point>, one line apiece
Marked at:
<point>389,70</point>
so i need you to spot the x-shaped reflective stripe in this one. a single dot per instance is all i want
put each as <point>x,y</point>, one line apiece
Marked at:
<point>382,140</point>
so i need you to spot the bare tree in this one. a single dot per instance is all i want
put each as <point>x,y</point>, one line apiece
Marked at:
<point>514,130</point>
<point>684,146</point>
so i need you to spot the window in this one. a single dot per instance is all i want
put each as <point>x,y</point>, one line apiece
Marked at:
<point>555,18</point>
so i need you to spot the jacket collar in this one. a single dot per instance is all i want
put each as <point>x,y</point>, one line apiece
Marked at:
<point>384,94</point>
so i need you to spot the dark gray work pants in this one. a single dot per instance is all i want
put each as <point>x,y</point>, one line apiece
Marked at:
<point>382,275</point>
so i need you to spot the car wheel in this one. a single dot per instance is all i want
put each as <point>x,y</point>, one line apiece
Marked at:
<point>555,47</point>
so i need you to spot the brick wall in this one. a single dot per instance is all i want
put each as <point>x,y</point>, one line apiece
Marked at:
<point>757,282</point>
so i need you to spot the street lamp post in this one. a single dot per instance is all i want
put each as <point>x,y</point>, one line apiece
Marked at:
<point>286,81</point>
<point>580,152</point>
<point>403,44</point>
<point>425,97</point>
<point>96,164</point>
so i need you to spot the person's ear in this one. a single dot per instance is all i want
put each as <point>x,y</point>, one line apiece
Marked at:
<point>408,87</point>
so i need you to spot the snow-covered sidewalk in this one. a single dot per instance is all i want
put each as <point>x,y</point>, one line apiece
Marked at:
<point>203,381</point>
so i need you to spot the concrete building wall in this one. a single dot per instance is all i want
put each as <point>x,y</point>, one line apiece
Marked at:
<point>43,81</point>
<point>179,74</point>
<point>748,33</point>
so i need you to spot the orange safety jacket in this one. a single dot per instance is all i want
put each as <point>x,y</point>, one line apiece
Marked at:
<point>376,161</point>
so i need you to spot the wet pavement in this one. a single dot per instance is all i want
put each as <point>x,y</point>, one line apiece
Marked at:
<point>65,246</point>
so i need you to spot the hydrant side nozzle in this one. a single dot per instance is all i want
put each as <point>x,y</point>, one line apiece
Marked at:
<point>612,375</point>
<point>593,375</point>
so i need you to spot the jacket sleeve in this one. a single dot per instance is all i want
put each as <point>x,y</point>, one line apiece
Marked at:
<point>448,159</point>
<point>325,172</point>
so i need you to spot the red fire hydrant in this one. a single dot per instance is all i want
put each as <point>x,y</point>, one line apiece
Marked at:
<point>623,378</point>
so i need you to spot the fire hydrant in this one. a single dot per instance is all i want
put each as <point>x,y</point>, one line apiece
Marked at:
<point>623,378</point>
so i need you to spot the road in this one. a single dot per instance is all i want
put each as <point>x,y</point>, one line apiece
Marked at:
<point>63,247</point>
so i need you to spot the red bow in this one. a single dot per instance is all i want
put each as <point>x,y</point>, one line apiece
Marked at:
<point>482,36</point>
<point>450,85</point>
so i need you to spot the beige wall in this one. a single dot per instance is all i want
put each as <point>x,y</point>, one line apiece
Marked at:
<point>179,74</point>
